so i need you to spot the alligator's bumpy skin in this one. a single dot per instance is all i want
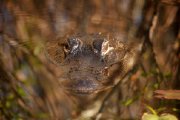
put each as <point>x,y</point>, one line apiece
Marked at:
<point>91,63</point>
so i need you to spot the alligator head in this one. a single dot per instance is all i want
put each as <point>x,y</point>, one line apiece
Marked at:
<point>90,62</point>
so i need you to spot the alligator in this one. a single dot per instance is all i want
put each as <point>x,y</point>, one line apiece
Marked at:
<point>91,62</point>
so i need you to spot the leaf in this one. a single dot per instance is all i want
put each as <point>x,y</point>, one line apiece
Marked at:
<point>128,102</point>
<point>151,109</point>
<point>167,117</point>
<point>147,116</point>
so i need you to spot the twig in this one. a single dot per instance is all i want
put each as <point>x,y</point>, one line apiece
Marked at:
<point>107,97</point>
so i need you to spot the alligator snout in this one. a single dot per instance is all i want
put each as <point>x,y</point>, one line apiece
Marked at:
<point>82,86</point>
<point>84,80</point>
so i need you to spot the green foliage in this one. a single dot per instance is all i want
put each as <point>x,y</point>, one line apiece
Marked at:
<point>147,116</point>
<point>167,117</point>
<point>151,109</point>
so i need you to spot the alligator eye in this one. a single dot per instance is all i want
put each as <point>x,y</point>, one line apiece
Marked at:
<point>97,45</point>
